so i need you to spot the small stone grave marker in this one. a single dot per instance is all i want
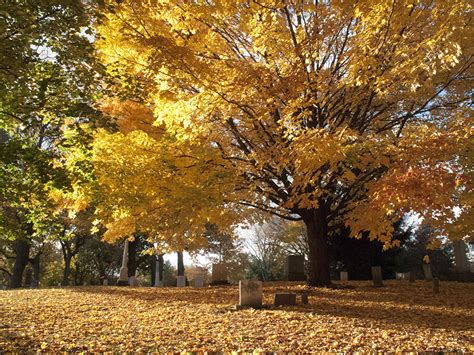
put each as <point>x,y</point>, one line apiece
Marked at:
<point>105,282</point>
<point>219,274</point>
<point>133,281</point>
<point>181,281</point>
<point>304,298</point>
<point>250,293</point>
<point>377,276</point>
<point>344,276</point>
<point>199,281</point>
<point>285,299</point>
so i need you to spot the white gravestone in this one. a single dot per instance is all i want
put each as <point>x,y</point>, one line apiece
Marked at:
<point>250,293</point>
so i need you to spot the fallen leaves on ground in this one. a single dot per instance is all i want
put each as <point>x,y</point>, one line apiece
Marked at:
<point>399,316</point>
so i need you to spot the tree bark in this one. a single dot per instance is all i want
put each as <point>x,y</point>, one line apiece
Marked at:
<point>22,249</point>
<point>180,263</point>
<point>67,270</point>
<point>317,230</point>
<point>161,265</point>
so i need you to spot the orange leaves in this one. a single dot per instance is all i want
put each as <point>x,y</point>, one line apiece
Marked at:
<point>399,317</point>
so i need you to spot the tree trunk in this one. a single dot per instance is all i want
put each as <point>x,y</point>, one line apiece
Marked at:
<point>36,270</point>
<point>67,270</point>
<point>180,263</point>
<point>161,264</point>
<point>22,249</point>
<point>153,270</point>
<point>317,230</point>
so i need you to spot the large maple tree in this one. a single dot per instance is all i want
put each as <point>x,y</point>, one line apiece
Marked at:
<point>338,113</point>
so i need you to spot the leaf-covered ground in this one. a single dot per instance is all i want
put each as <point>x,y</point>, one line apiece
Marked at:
<point>399,316</point>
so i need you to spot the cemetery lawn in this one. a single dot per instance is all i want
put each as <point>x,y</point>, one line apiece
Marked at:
<point>399,316</point>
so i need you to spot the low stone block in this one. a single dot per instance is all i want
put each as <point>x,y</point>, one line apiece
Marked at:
<point>105,282</point>
<point>377,276</point>
<point>285,299</point>
<point>199,281</point>
<point>344,275</point>
<point>250,293</point>
<point>181,281</point>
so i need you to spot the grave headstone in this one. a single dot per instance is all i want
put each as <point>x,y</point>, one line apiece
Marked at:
<point>123,278</point>
<point>181,281</point>
<point>304,298</point>
<point>411,276</point>
<point>344,276</point>
<point>133,281</point>
<point>435,285</point>
<point>219,274</point>
<point>250,293</point>
<point>105,282</point>
<point>285,299</point>
<point>377,276</point>
<point>199,281</point>
<point>294,268</point>
<point>399,276</point>
<point>427,272</point>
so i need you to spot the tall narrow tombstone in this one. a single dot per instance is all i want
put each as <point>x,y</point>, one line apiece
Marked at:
<point>377,276</point>
<point>250,293</point>
<point>344,276</point>
<point>181,281</point>
<point>123,278</point>
<point>427,272</point>
<point>199,281</point>
<point>219,274</point>
<point>294,268</point>
<point>435,285</point>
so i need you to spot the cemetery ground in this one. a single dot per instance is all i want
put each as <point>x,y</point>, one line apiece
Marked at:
<point>351,317</point>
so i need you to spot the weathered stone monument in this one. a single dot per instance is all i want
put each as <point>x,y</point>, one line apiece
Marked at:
<point>427,272</point>
<point>105,282</point>
<point>435,285</point>
<point>181,281</point>
<point>219,274</point>
<point>285,299</point>
<point>344,275</point>
<point>199,281</point>
<point>123,278</point>
<point>250,294</point>
<point>294,268</point>
<point>377,276</point>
